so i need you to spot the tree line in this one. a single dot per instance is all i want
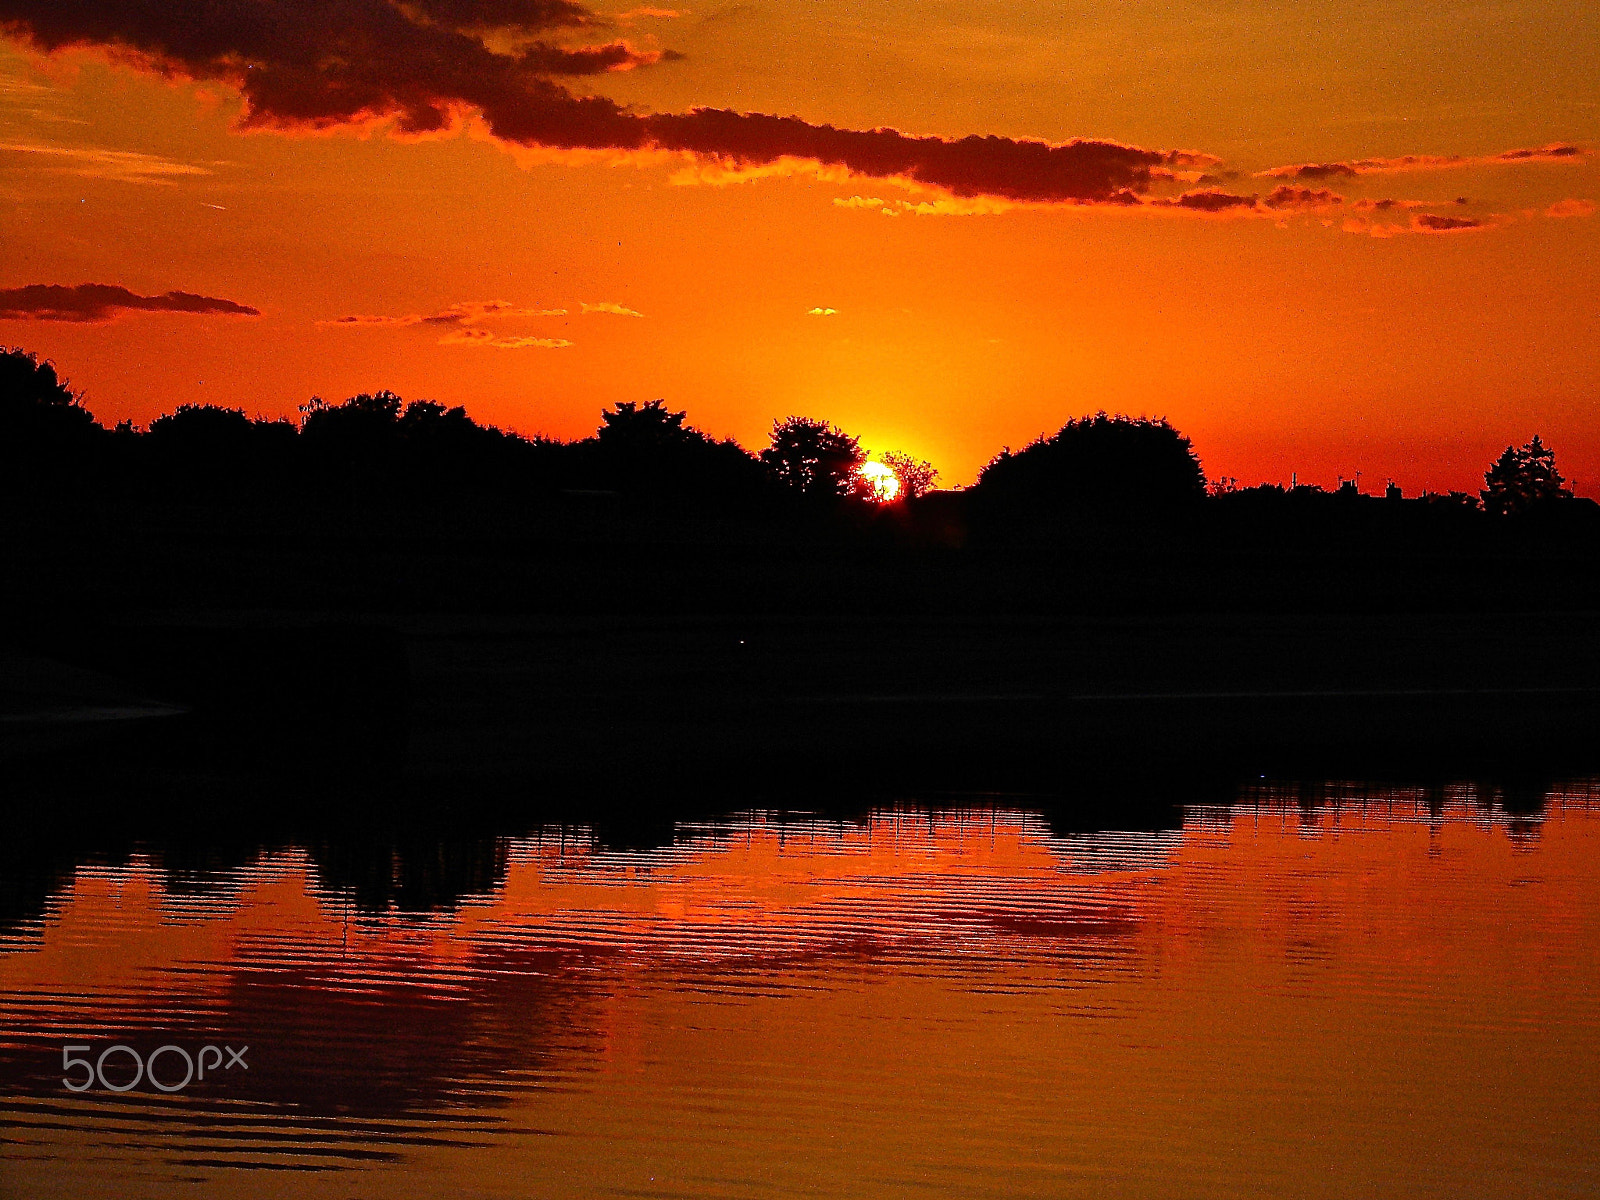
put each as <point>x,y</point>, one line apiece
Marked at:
<point>378,446</point>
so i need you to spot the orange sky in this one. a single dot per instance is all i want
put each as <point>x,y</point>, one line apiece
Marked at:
<point>1281,336</point>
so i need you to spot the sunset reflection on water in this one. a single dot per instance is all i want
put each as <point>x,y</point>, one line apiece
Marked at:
<point>1315,991</point>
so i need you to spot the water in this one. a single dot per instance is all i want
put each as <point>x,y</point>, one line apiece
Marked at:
<point>1311,992</point>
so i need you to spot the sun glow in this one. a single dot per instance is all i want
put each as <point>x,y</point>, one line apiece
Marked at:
<point>880,481</point>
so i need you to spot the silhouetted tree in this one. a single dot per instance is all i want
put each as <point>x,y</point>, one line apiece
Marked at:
<point>198,448</point>
<point>355,447</point>
<point>815,458</point>
<point>650,451</point>
<point>35,402</point>
<point>45,431</point>
<point>1114,463</point>
<point>370,419</point>
<point>1522,479</point>
<point>206,428</point>
<point>425,420</point>
<point>916,475</point>
<point>647,427</point>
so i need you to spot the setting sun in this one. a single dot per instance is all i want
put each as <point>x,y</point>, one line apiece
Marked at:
<point>880,480</point>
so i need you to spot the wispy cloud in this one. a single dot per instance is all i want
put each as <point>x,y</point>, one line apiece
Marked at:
<point>649,14</point>
<point>12,87</point>
<point>24,98</point>
<point>821,312</point>
<point>95,302</point>
<point>484,337</point>
<point>933,206</point>
<point>1423,223</point>
<point>608,306</point>
<point>1555,152</point>
<point>469,312</point>
<point>1287,196</point>
<point>463,323</point>
<point>124,166</point>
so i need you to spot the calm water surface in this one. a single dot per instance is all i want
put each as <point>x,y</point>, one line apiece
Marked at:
<point>1353,992</point>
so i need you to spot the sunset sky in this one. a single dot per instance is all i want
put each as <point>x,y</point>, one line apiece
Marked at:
<point>1319,237</point>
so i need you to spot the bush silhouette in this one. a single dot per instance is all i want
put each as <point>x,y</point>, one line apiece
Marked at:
<point>1101,462</point>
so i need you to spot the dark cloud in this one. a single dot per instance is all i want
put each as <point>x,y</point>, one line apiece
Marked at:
<point>1429,223</point>
<point>319,63</point>
<point>102,301</point>
<point>1210,201</point>
<point>1555,152</point>
<point>970,166</point>
<point>503,14</point>
<point>593,60</point>
<point>1289,196</point>
<point>309,64</point>
<point>1334,170</point>
<point>467,312</point>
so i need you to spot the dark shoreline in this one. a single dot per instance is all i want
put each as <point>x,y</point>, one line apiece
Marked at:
<point>411,664</point>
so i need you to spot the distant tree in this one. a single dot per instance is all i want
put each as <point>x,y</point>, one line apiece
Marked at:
<point>430,430</point>
<point>1456,502</point>
<point>212,452</point>
<point>428,417</point>
<point>1523,478</point>
<point>202,425</point>
<point>360,419</point>
<point>1113,463</point>
<point>649,450</point>
<point>815,458</point>
<point>916,476</point>
<point>354,448</point>
<point>649,426</point>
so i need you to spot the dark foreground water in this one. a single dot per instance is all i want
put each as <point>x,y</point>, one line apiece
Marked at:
<point>1337,991</point>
